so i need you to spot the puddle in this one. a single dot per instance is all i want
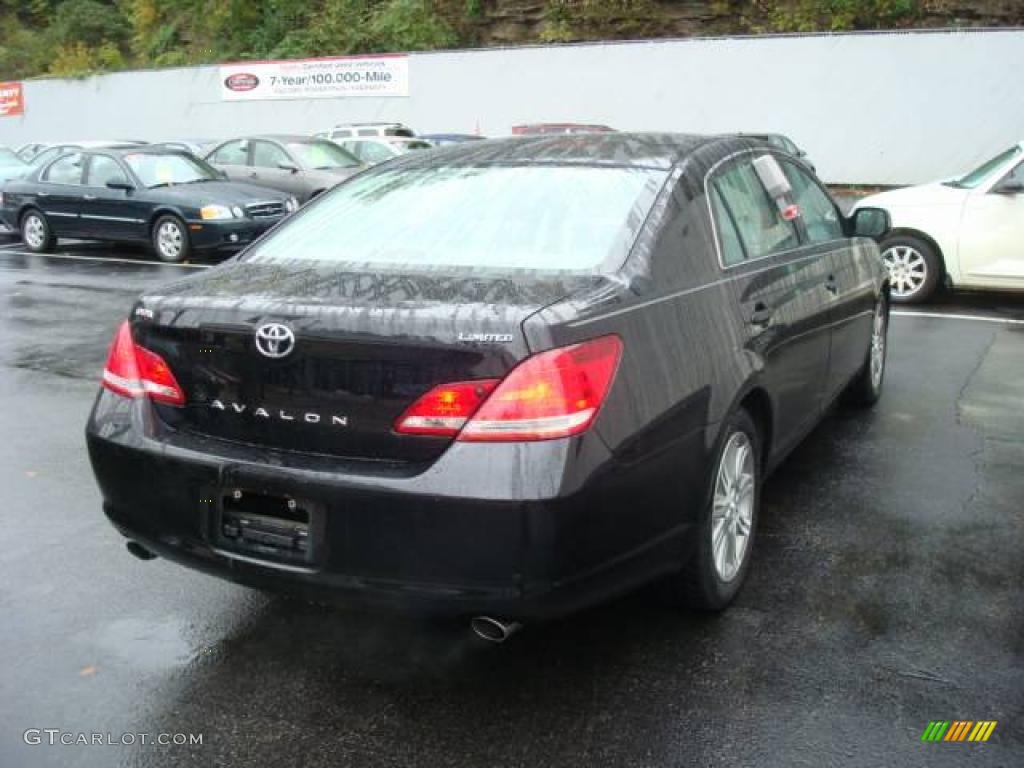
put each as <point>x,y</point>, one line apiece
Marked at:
<point>145,643</point>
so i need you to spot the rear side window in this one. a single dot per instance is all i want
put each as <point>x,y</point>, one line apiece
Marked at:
<point>760,226</point>
<point>232,153</point>
<point>728,236</point>
<point>67,170</point>
<point>816,208</point>
<point>1017,174</point>
<point>505,218</point>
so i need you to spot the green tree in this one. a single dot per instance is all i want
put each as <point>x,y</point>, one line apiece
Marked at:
<point>88,22</point>
<point>408,25</point>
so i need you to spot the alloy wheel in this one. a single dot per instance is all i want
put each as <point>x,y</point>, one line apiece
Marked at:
<point>733,508</point>
<point>169,240</point>
<point>878,346</point>
<point>908,269</point>
<point>34,231</point>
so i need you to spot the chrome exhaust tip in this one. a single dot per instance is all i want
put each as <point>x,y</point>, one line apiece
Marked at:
<point>139,551</point>
<point>493,630</point>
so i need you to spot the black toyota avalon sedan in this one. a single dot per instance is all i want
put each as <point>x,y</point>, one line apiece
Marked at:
<point>505,379</point>
<point>162,196</point>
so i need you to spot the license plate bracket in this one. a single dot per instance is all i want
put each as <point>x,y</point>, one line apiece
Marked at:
<point>273,527</point>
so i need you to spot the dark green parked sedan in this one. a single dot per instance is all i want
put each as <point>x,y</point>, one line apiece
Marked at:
<point>168,198</point>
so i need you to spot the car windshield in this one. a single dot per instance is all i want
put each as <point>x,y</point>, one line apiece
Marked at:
<point>323,155</point>
<point>486,217</point>
<point>161,170</point>
<point>7,157</point>
<point>979,174</point>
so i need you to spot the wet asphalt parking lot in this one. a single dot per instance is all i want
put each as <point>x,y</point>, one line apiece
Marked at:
<point>886,592</point>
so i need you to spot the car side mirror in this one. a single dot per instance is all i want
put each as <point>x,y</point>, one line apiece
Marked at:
<point>871,222</point>
<point>222,175</point>
<point>122,185</point>
<point>1008,187</point>
<point>288,167</point>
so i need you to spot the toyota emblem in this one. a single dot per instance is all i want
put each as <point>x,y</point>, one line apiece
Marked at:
<point>274,340</point>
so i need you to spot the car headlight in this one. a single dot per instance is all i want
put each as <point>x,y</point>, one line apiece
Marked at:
<point>239,213</point>
<point>208,212</point>
<point>291,204</point>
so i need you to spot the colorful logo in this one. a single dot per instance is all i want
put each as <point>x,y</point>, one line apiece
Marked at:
<point>958,730</point>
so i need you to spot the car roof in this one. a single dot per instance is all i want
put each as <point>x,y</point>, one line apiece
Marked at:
<point>145,149</point>
<point>106,143</point>
<point>367,125</point>
<point>652,150</point>
<point>283,138</point>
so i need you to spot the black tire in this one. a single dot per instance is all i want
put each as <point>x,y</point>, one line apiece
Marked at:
<point>866,387</point>
<point>899,252</point>
<point>36,233</point>
<point>168,247</point>
<point>700,585</point>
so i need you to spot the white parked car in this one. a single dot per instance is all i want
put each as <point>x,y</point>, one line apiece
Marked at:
<point>353,130</point>
<point>966,232</point>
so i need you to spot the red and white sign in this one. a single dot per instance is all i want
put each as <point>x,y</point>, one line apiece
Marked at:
<point>341,77</point>
<point>12,99</point>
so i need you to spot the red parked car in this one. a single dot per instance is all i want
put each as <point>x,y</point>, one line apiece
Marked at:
<point>532,128</point>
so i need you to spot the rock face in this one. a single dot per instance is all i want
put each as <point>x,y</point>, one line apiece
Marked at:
<point>518,22</point>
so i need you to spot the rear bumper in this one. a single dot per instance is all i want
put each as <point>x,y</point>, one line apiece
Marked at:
<point>522,531</point>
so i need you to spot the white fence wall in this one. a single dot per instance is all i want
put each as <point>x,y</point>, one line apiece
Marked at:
<point>869,108</point>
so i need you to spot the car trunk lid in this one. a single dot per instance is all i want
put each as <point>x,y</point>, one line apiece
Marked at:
<point>366,346</point>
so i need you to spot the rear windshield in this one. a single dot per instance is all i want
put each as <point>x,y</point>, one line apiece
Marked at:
<point>488,217</point>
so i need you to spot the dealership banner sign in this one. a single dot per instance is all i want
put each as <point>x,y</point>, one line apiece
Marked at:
<point>12,99</point>
<point>385,75</point>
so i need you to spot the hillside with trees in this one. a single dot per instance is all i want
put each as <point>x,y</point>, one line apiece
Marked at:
<point>79,37</point>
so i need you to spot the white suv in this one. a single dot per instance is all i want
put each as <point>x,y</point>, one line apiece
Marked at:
<point>367,130</point>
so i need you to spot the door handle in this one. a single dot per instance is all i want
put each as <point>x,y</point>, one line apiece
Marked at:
<point>762,314</point>
<point>43,194</point>
<point>831,285</point>
<point>88,197</point>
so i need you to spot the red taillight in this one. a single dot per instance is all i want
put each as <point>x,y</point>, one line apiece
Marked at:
<point>134,371</point>
<point>445,409</point>
<point>553,394</point>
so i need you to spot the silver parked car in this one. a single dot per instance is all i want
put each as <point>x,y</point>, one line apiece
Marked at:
<point>299,165</point>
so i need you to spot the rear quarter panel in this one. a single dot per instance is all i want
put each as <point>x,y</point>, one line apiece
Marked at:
<point>677,376</point>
